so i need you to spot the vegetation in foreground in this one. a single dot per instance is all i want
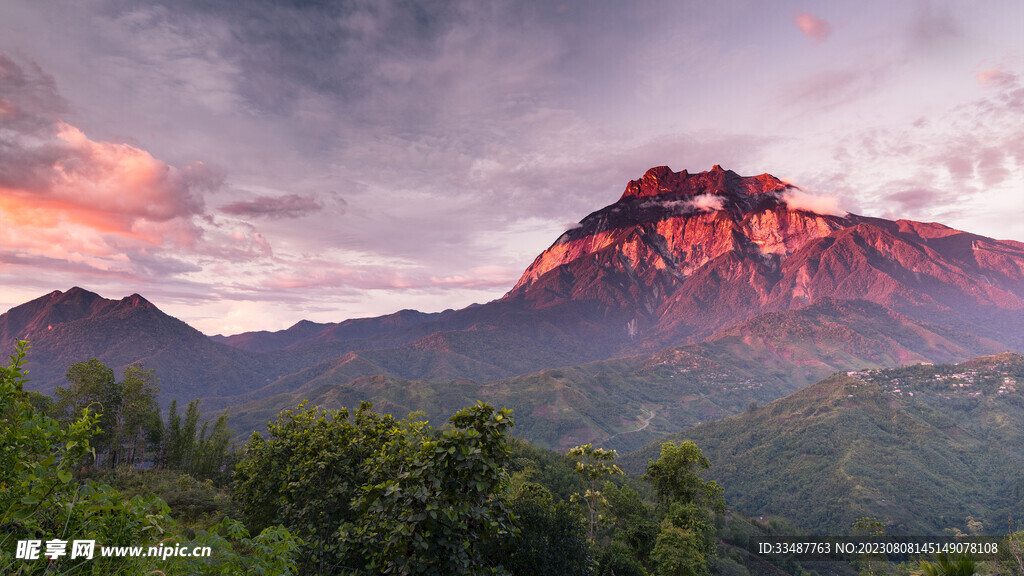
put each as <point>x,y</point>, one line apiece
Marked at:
<point>334,492</point>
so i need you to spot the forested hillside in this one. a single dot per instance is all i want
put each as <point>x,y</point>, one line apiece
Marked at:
<point>922,447</point>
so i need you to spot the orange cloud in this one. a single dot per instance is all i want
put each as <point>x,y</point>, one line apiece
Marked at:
<point>813,27</point>
<point>996,76</point>
<point>102,187</point>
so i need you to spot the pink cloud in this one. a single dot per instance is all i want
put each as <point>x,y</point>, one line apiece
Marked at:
<point>103,187</point>
<point>813,27</point>
<point>996,76</point>
<point>66,198</point>
<point>797,199</point>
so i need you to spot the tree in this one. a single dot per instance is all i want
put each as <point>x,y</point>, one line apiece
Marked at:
<point>372,494</point>
<point>432,505</point>
<point>41,500</point>
<point>39,496</point>
<point>551,536</point>
<point>678,552</point>
<point>137,421</point>
<point>1015,548</point>
<point>91,386</point>
<point>686,539</point>
<point>129,416</point>
<point>593,465</point>
<point>213,454</point>
<point>869,527</point>
<point>306,473</point>
<point>208,455</point>
<point>675,476</point>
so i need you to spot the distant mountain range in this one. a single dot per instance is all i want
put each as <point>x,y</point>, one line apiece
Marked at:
<point>624,403</point>
<point>752,296</point>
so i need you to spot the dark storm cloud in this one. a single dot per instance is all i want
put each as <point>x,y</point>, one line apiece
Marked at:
<point>346,50</point>
<point>288,206</point>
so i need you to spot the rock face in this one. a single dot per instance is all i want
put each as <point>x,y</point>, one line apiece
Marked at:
<point>689,254</point>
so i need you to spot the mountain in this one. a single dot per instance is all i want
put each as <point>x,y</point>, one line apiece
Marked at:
<point>680,256</point>
<point>305,333</point>
<point>920,447</point>
<point>74,326</point>
<point>678,259</point>
<point>624,403</point>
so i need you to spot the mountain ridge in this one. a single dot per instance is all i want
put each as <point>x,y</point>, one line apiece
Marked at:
<point>676,260</point>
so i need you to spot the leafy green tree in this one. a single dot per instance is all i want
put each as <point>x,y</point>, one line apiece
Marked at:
<point>372,494</point>
<point>1015,548</point>
<point>594,465</point>
<point>432,504</point>
<point>213,456</point>
<point>617,559</point>
<point>675,477</point>
<point>129,417</point>
<point>305,475</point>
<point>206,455</point>
<point>686,539</point>
<point>551,536</point>
<point>678,552</point>
<point>91,386</point>
<point>39,496</point>
<point>41,500</point>
<point>137,420</point>
<point>171,449</point>
<point>632,521</point>
<point>869,527</point>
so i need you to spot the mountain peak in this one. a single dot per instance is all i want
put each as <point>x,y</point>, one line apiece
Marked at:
<point>662,181</point>
<point>136,301</point>
<point>75,293</point>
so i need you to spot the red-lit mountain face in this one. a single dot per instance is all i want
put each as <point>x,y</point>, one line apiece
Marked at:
<point>681,255</point>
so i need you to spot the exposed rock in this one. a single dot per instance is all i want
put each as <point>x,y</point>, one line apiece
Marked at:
<point>693,253</point>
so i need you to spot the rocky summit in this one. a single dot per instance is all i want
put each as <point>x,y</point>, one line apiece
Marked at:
<point>689,254</point>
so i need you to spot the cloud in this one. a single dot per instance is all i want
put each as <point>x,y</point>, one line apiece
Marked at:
<point>915,199</point>
<point>996,77</point>
<point>797,199</point>
<point>931,26</point>
<point>287,206</point>
<point>834,87</point>
<point>101,207</point>
<point>104,187</point>
<point>28,97</point>
<point>813,27</point>
<point>708,203</point>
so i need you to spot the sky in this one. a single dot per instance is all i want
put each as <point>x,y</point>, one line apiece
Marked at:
<point>245,165</point>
